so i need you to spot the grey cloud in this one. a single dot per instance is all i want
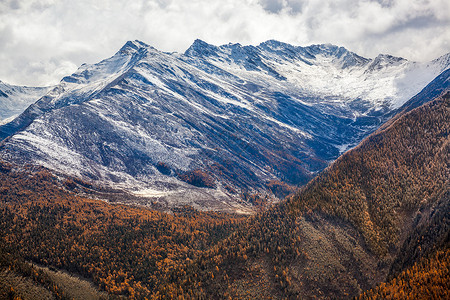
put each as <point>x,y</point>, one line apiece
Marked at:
<point>14,4</point>
<point>6,37</point>
<point>273,6</point>
<point>295,6</point>
<point>384,3</point>
<point>277,6</point>
<point>419,23</point>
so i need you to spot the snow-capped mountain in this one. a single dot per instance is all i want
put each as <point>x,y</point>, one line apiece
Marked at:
<point>15,99</point>
<point>200,128</point>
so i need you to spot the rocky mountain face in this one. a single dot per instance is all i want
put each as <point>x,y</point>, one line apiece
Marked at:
<point>15,99</point>
<point>203,127</point>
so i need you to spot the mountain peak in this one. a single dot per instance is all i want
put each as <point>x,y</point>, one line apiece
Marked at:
<point>233,45</point>
<point>275,45</point>
<point>327,49</point>
<point>341,55</point>
<point>133,46</point>
<point>201,48</point>
<point>388,57</point>
<point>385,60</point>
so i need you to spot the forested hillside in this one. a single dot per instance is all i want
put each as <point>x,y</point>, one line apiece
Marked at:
<point>123,250</point>
<point>427,279</point>
<point>381,183</point>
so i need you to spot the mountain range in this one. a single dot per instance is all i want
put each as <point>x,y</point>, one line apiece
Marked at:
<point>357,148</point>
<point>215,123</point>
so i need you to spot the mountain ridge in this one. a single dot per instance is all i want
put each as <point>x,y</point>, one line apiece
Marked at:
<point>216,126</point>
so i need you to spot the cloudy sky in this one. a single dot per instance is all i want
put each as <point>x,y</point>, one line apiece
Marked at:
<point>43,40</point>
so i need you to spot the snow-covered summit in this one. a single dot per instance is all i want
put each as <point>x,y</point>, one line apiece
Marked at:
<point>385,61</point>
<point>201,49</point>
<point>133,46</point>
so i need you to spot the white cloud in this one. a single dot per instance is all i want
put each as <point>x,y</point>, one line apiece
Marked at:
<point>43,40</point>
